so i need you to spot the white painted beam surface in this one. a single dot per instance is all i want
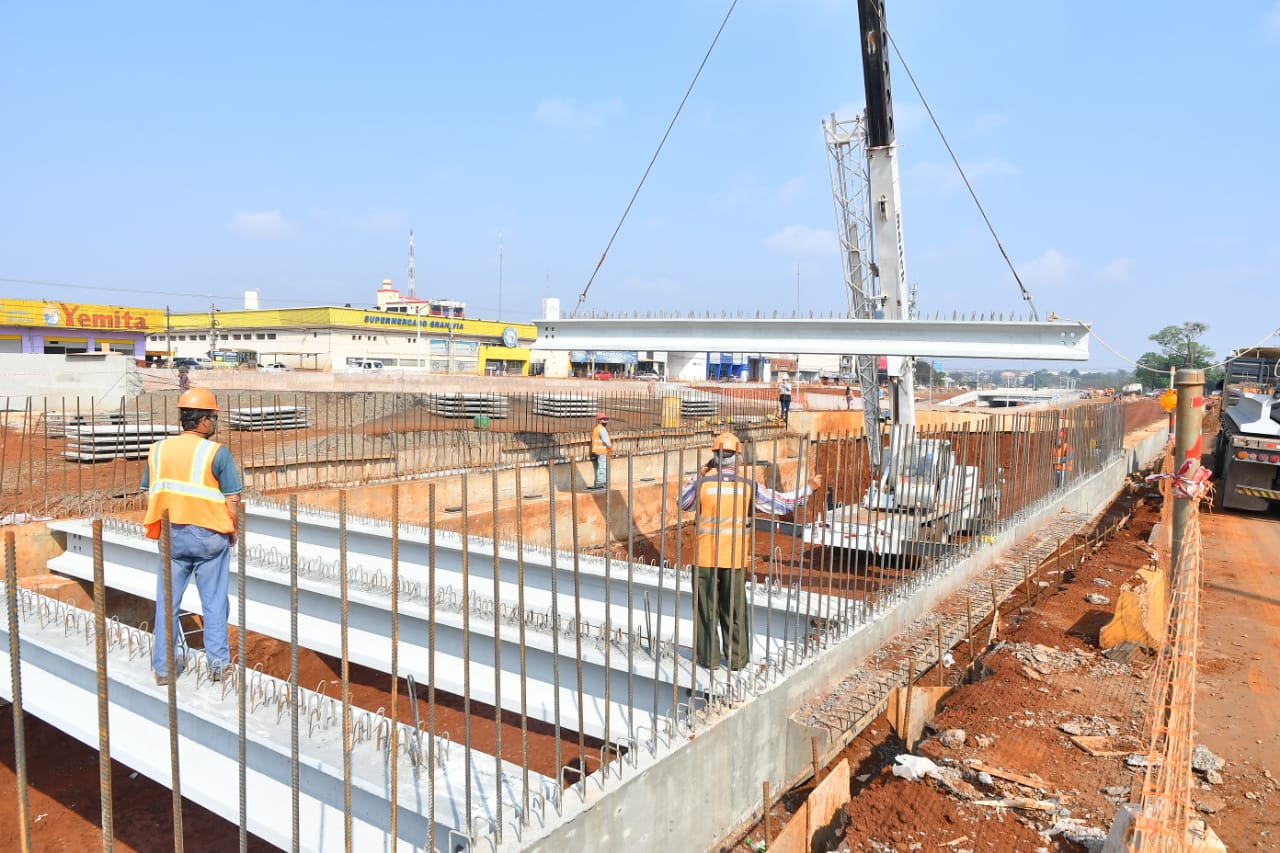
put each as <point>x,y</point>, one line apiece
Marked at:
<point>833,336</point>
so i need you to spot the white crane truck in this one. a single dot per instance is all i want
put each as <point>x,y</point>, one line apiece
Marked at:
<point>921,495</point>
<point>1246,455</point>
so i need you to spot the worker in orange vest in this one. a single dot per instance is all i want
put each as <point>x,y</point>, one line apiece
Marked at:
<point>1064,459</point>
<point>601,447</point>
<point>723,502</point>
<point>195,479</point>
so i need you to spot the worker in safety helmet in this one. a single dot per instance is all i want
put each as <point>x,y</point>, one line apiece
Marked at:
<point>1064,459</point>
<point>195,479</point>
<point>601,447</point>
<point>724,502</point>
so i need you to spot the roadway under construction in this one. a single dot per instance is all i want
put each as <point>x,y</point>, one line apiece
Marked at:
<point>523,646</point>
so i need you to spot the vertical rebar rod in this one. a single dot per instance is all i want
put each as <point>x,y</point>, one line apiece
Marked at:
<point>345,673</point>
<point>15,687</point>
<point>431,667</point>
<point>393,741</point>
<point>167,643</point>
<point>655,636</point>
<point>497,653</point>
<point>104,704</point>
<point>577,629</point>
<point>608,625</point>
<point>555,628</point>
<point>520,624</point>
<point>631,610</point>
<point>242,737</point>
<point>466,648</point>
<point>293,675</point>
<point>675,593</point>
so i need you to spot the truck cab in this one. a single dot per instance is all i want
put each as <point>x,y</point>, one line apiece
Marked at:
<point>1246,455</point>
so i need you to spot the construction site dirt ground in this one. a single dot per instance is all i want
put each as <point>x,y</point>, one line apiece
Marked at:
<point>1048,681</point>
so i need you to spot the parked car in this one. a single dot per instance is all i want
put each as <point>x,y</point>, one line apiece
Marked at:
<point>275,366</point>
<point>193,363</point>
<point>649,374</point>
<point>602,374</point>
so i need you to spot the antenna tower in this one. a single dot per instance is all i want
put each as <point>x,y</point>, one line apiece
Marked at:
<point>413,277</point>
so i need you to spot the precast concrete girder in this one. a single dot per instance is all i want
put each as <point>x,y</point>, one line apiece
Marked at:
<point>59,685</point>
<point>1014,339</point>
<point>648,594</point>
<point>550,674</point>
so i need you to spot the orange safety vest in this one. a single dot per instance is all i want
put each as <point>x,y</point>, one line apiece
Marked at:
<point>182,481</point>
<point>1063,458</point>
<point>724,524</point>
<point>597,441</point>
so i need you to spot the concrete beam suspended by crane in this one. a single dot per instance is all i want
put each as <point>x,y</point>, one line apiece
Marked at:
<point>1014,339</point>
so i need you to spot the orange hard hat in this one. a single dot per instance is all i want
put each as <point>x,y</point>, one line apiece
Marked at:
<point>198,398</point>
<point>602,417</point>
<point>727,442</point>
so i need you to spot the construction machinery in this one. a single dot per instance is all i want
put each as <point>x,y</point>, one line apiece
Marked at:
<point>922,495</point>
<point>1246,455</point>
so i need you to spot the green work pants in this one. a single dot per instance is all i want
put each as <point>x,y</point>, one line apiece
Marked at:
<point>722,615</point>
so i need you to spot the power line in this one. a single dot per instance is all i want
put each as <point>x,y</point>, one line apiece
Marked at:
<point>582,297</point>
<point>1026,295</point>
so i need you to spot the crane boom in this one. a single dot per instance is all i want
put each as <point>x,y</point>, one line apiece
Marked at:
<point>885,198</point>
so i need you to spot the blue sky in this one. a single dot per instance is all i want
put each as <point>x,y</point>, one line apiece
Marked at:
<point>178,154</point>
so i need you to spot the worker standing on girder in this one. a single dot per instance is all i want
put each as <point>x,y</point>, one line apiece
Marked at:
<point>723,502</point>
<point>196,480</point>
<point>784,397</point>
<point>601,447</point>
<point>1064,459</point>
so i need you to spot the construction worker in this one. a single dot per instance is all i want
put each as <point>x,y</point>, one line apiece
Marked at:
<point>601,447</point>
<point>784,396</point>
<point>1064,459</point>
<point>195,479</point>
<point>723,502</point>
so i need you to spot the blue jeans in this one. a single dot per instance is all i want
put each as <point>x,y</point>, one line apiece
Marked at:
<point>602,466</point>
<point>195,550</point>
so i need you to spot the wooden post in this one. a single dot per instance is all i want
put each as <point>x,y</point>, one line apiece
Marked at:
<point>968,621</point>
<point>906,718</point>
<point>940,680</point>
<point>768,834</point>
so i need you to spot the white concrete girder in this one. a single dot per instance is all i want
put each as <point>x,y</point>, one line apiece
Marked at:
<point>832,336</point>
<point>59,686</point>
<point>130,566</point>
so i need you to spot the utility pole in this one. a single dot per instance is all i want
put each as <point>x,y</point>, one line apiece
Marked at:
<point>213,329</point>
<point>168,337</point>
<point>413,276</point>
<point>499,276</point>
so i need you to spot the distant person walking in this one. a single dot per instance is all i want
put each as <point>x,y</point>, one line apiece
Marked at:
<point>723,502</point>
<point>848,397</point>
<point>601,447</point>
<point>784,397</point>
<point>184,378</point>
<point>195,479</point>
<point>1064,460</point>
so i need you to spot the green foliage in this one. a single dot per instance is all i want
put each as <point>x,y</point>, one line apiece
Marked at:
<point>1179,347</point>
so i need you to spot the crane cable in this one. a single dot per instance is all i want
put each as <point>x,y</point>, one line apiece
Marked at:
<point>582,297</point>
<point>1161,370</point>
<point>1026,295</point>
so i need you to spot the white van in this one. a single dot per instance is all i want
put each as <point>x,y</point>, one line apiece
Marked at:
<point>366,364</point>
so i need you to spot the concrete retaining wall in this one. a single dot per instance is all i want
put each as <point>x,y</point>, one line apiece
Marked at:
<point>93,382</point>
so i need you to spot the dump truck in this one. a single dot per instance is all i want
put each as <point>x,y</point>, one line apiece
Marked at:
<point>1246,456</point>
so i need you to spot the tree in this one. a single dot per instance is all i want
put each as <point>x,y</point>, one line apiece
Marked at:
<point>1179,347</point>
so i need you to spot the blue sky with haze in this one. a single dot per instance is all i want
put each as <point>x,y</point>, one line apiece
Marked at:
<point>178,154</point>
